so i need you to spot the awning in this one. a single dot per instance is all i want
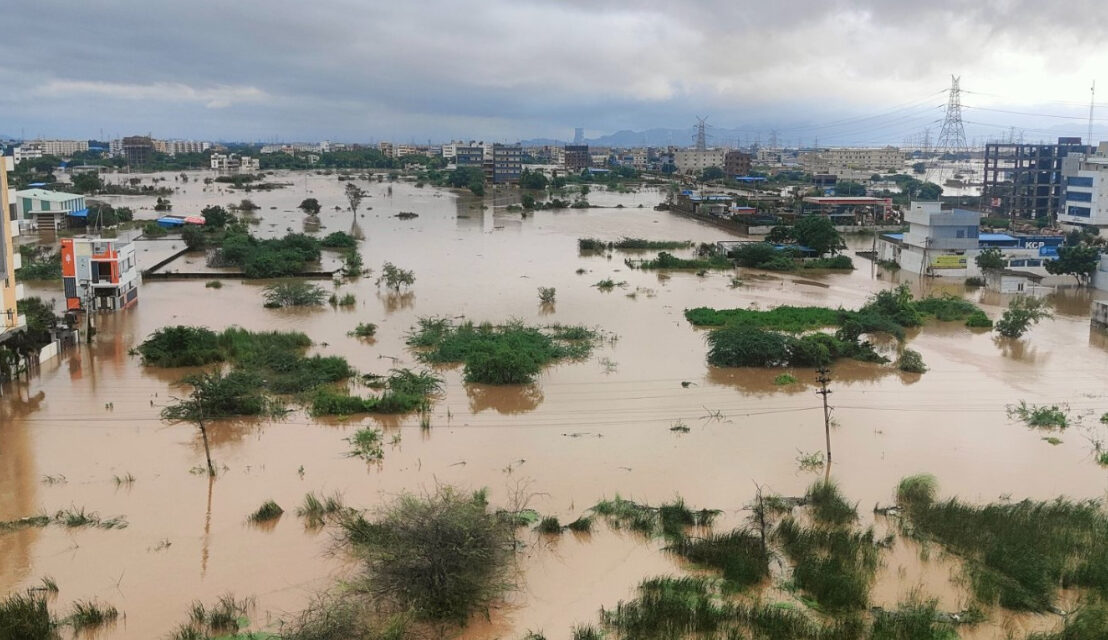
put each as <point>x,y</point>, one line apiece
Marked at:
<point>194,220</point>
<point>81,213</point>
<point>168,222</point>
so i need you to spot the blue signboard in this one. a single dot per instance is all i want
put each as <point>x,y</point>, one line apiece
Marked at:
<point>1048,252</point>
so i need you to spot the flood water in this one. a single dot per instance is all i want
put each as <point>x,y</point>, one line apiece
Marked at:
<point>586,431</point>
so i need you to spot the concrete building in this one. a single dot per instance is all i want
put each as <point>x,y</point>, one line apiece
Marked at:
<point>11,292</point>
<point>693,161</point>
<point>234,163</point>
<point>62,148</point>
<point>736,163</point>
<point>1026,180</point>
<point>946,243</point>
<point>49,209</point>
<point>1086,192</point>
<point>138,150</point>
<point>470,155</point>
<point>507,161</point>
<point>98,274</point>
<point>26,151</point>
<point>387,149</point>
<point>174,147</point>
<point>577,158</point>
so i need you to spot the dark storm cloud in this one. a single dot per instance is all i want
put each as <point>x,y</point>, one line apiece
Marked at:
<point>503,69</point>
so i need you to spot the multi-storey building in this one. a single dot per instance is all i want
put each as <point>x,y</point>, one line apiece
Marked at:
<point>234,163</point>
<point>693,161</point>
<point>507,161</point>
<point>173,147</point>
<point>1026,180</point>
<point>138,150</point>
<point>469,155</point>
<point>27,151</point>
<point>63,148</point>
<point>577,158</point>
<point>1086,194</point>
<point>387,149</point>
<point>736,163</point>
<point>10,291</point>
<point>98,274</point>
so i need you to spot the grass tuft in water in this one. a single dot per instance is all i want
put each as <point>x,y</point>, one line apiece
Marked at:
<point>366,444</point>
<point>739,554</point>
<point>669,520</point>
<point>25,616</point>
<point>1040,416</point>
<point>86,614</point>
<point>581,525</point>
<point>316,509</point>
<point>828,505</point>
<point>549,525</point>
<point>834,565</point>
<point>269,510</point>
<point>1017,554</point>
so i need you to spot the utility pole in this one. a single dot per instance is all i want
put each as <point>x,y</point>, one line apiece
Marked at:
<point>199,395</point>
<point>824,378</point>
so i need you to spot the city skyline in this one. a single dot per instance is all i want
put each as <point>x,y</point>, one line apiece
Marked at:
<point>863,73</point>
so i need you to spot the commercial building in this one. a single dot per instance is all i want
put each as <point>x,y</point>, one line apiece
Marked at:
<point>98,274</point>
<point>736,163</point>
<point>842,160</point>
<point>946,243</point>
<point>848,210</point>
<point>138,150</point>
<point>26,151</point>
<point>693,161</point>
<point>507,163</point>
<point>577,158</point>
<point>1026,180</point>
<point>49,209</point>
<point>387,149</point>
<point>1086,192</point>
<point>11,292</point>
<point>63,148</point>
<point>470,155</point>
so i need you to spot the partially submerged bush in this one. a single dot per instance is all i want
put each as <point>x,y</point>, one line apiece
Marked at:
<point>911,362</point>
<point>444,556</point>
<point>1040,416</point>
<point>181,346</point>
<point>828,504</point>
<point>295,293</point>
<point>269,510</point>
<point>835,565</point>
<point>670,519</point>
<point>26,616</point>
<point>499,354</point>
<point>739,554</point>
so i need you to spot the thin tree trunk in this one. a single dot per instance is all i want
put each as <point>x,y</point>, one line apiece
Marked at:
<point>204,435</point>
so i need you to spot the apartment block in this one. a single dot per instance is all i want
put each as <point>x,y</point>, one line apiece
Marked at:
<point>577,158</point>
<point>10,291</point>
<point>507,161</point>
<point>99,274</point>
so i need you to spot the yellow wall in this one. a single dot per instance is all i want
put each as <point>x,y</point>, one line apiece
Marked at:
<point>7,289</point>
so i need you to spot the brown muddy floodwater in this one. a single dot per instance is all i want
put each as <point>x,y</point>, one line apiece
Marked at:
<point>586,431</point>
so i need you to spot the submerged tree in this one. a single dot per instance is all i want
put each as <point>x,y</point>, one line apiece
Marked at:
<point>215,395</point>
<point>354,195</point>
<point>310,206</point>
<point>1022,312</point>
<point>394,277</point>
<point>990,259</point>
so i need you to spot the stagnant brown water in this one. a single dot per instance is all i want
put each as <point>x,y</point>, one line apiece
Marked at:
<point>588,430</point>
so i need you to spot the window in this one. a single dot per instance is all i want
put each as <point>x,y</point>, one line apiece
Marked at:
<point>1079,181</point>
<point>961,233</point>
<point>1081,212</point>
<point>1079,196</point>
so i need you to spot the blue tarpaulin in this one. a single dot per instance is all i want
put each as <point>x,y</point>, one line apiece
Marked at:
<point>168,222</point>
<point>80,213</point>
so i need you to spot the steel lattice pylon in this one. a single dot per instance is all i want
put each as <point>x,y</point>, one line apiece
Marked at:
<point>952,137</point>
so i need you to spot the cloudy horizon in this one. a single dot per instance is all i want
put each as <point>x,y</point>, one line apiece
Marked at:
<point>847,73</point>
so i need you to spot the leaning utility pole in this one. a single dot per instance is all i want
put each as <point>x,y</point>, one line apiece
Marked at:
<point>823,378</point>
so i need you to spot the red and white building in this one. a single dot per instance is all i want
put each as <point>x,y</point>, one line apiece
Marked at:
<point>99,274</point>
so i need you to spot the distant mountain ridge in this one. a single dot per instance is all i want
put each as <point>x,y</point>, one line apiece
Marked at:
<point>654,138</point>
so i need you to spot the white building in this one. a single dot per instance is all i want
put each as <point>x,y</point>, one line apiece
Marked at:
<point>852,162</point>
<point>173,147</point>
<point>27,151</point>
<point>693,161</point>
<point>1086,200</point>
<point>49,209</point>
<point>62,148</point>
<point>233,163</point>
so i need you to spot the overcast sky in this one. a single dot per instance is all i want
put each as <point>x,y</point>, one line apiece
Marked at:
<point>357,70</point>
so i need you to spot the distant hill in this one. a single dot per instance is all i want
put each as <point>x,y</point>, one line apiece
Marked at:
<point>653,138</point>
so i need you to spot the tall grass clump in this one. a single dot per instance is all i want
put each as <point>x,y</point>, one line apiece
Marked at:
<point>834,565</point>
<point>499,354</point>
<point>670,519</point>
<point>403,391</point>
<point>268,512</point>
<point>666,260</point>
<point>1017,554</point>
<point>26,616</point>
<point>783,318</point>
<point>442,556</point>
<point>316,509</point>
<point>222,619</point>
<point>86,614</point>
<point>828,505</point>
<point>345,616</point>
<point>739,554</point>
<point>366,444</point>
<point>671,607</point>
<point>1089,622</point>
<point>911,621</point>
<point>549,525</point>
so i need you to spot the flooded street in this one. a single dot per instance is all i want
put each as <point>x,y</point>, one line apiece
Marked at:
<point>588,430</point>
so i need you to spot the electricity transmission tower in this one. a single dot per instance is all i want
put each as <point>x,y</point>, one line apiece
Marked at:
<point>701,134</point>
<point>952,136</point>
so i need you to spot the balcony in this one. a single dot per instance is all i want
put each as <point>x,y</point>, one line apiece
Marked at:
<point>19,292</point>
<point>17,261</point>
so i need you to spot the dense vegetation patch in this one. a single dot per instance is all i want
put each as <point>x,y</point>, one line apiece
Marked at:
<point>740,554</point>
<point>272,362</point>
<point>1017,554</point>
<point>671,519</point>
<point>499,354</point>
<point>834,565</point>
<point>631,244</point>
<point>747,346</point>
<point>669,261</point>
<point>442,556</point>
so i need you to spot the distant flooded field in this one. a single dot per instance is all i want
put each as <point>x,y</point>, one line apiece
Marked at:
<point>587,430</point>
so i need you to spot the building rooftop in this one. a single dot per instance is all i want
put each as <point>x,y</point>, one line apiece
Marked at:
<point>845,200</point>
<point>43,194</point>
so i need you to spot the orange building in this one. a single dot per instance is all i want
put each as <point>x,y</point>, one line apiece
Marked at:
<point>99,274</point>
